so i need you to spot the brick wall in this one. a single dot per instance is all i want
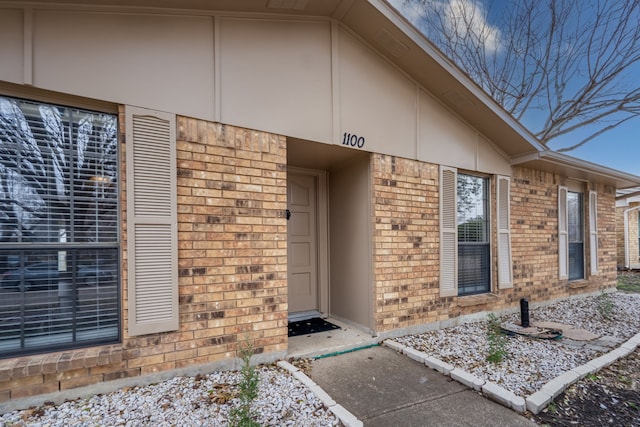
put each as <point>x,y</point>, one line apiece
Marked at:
<point>632,235</point>
<point>534,233</point>
<point>232,240</point>
<point>233,258</point>
<point>620,250</point>
<point>634,253</point>
<point>232,267</point>
<point>406,244</point>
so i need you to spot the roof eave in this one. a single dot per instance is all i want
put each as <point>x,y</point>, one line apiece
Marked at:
<point>574,168</point>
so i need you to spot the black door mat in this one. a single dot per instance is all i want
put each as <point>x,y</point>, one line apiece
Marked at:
<point>310,326</point>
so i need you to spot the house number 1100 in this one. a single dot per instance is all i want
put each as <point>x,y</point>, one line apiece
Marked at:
<point>352,140</point>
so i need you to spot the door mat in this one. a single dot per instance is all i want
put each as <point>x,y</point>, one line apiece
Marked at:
<point>310,326</point>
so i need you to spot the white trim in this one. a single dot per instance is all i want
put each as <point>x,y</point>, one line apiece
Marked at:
<point>27,57</point>
<point>217,67</point>
<point>335,82</point>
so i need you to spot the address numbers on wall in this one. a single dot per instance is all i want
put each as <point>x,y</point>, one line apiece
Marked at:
<point>353,140</point>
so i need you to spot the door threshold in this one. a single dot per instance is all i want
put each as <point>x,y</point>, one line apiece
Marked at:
<point>303,315</point>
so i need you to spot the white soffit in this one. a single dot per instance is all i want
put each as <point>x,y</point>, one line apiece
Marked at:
<point>572,167</point>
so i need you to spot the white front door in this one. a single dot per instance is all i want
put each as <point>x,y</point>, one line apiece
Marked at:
<point>302,242</point>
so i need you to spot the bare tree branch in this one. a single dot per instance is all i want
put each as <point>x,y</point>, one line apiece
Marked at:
<point>557,66</point>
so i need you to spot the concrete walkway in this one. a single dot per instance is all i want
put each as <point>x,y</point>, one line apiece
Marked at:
<point>384,388</point>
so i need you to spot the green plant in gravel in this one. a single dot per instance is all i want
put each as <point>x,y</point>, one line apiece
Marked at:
<point>625,380</point>
<point>552,407</point>
<point>496,339</point>
<point>243,415</point>
<point>604,305</point>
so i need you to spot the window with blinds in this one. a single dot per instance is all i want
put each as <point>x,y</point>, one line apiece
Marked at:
<point>59,238</point>
<point>474,262</point>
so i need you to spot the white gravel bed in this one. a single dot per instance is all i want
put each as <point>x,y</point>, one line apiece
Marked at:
<point>204,400</point>
<point>531,363</point>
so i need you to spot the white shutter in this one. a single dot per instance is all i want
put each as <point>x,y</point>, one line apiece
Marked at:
<point>563,234</point>
<point>151,221</point>
<point>593,231</point>
<point>448,232</point>
<point>505,272</point>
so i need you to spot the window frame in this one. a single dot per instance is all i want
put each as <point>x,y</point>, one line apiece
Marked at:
<point>499,232</point>
<point>64,253</point>
<point>580,216</point>
<point>589,232</point>
<point>485,272</point>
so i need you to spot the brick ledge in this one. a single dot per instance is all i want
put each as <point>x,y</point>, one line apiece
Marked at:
<point>27,366</point>
<point>477,300</point>
<point>578,284</point>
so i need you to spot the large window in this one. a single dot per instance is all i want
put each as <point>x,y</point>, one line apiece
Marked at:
<point>473,235</point>
<point>59,240</point>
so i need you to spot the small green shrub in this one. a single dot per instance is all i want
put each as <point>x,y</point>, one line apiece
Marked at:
<point>604,305</point>
<point>243,415</point>
<point>496,339</point>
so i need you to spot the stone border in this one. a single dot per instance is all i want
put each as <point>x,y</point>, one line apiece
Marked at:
<point>535,402</point>
<point>346,417</point>
<point>540,399</point>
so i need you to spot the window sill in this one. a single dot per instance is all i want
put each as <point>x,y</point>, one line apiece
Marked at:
<point>50,363</point>
<point>471,300</point>
<point>578,284</point>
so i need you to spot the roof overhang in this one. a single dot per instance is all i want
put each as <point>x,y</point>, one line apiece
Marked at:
<point>554,162</point>
<point>379,25</point>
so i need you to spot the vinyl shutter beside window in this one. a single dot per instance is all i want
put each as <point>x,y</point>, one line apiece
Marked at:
<point>593,231</point>
<point>563,234</point>
<point>505,279</point>
<point>151,221</point>
<point>448,232</point>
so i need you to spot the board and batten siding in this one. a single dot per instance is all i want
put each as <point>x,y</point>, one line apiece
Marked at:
<point>311,79</point>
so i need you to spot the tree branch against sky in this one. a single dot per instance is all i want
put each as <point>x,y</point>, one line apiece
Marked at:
<point>569,70</point>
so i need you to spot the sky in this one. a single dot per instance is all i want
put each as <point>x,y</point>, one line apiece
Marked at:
<point>618,149</point>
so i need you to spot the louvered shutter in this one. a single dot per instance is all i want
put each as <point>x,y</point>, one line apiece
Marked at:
<point>151,221</point>
<point>593,231</point>
<point>448,232</point>
<point>563,234</point>
<point>505,279</point>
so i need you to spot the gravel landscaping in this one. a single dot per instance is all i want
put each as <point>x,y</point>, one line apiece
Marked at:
<point>204,400</point>
<point>609,397</point>
<point>282,400</point>
<point>529,363</point>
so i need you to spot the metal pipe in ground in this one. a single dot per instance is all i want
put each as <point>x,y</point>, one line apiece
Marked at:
<point>524,313</point>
